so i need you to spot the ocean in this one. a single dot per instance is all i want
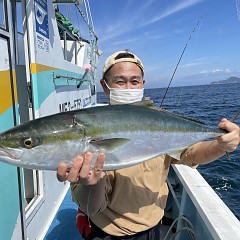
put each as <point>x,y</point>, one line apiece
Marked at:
<point>209,104</point>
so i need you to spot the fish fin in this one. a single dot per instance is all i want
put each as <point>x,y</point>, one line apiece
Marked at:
<point>109,144</point>
<point>148,103</point>
<point>235,116</point>
<point>227,156</point>
<point>232,120</point>
<point>178,115</point>
<point>176,154</point>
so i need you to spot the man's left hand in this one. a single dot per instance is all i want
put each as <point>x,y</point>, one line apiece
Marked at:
<point>229,141</point>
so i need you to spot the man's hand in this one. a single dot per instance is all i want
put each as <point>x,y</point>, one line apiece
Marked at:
<point>230,141</point>
<point>81,170</point>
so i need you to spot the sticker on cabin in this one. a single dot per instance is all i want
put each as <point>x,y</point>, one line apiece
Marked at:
<point>41,20</point>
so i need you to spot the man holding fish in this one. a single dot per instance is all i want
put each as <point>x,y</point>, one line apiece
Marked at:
<point>129,203</point>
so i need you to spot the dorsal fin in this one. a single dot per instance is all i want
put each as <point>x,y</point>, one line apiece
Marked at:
<point>148,103</point>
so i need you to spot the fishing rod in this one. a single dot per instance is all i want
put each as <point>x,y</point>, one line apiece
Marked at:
<point>180,59</point>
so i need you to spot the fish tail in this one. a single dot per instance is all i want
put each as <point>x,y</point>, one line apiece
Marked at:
<point>232,120</point>
<point>227,156</point>
<point>235,116</point>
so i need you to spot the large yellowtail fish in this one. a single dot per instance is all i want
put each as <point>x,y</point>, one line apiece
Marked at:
<point>128,134</point>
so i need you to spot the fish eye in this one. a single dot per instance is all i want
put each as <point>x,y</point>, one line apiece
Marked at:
<point>29,143</point>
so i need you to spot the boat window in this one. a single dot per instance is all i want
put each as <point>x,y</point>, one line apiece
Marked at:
<point>68,35</point>
<point>34,193</point>
<point>4,50</point>
<point>3,11</point>
<point>20,55</point>
<point>72,41</point>
<point>31,185</point>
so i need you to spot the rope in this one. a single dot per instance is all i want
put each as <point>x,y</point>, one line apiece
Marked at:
<point>77,21</point>
<point>90,15</point>
<point>184,228</point>
<point>86,11</point>
<point>86,21</point>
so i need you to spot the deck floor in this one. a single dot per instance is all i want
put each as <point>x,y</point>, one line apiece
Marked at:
<point>63,225</point>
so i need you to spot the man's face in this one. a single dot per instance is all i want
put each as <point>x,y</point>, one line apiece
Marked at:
<point>125,75</point>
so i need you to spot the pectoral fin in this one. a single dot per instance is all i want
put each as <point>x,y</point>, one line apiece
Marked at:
<point>109,144</point>
<point>176,154</point>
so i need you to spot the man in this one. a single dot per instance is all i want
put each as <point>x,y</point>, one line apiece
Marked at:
<point>129,203</point>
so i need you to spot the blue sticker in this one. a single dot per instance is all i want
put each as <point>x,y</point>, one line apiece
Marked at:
<point>41,19</point>
<point>41,16</point>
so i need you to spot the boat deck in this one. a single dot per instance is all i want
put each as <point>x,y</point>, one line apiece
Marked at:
<point>63,225</point>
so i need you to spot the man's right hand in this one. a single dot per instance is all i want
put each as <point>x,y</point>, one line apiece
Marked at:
<point>81,170</point>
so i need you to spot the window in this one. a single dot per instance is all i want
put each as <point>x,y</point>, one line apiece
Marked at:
<point>3,11</point>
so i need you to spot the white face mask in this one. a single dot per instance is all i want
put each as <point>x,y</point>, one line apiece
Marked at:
<point>124,96</point>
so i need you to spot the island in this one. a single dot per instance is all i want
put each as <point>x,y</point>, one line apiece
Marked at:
<point>229,80</point>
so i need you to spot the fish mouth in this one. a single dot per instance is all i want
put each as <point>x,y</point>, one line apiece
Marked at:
<point>11,153</point>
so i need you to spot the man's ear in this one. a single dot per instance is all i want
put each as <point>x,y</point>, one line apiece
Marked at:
<point>104,86</point>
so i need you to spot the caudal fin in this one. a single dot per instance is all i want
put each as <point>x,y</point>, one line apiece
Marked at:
<point>232,120</point>
<point>235,116</point>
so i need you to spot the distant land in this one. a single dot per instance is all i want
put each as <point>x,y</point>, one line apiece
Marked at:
<point>229,80</point>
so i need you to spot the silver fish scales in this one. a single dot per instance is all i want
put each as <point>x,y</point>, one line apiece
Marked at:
<point>127,134</point>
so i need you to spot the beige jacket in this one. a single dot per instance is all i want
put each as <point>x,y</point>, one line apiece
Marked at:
<point>135,197</point>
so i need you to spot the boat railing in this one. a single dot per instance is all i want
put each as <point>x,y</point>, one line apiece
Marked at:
<point>200,212</point>
<point>73,43</point>
<point>67,35</point>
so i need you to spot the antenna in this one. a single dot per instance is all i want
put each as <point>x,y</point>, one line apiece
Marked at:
<point>180,60</point>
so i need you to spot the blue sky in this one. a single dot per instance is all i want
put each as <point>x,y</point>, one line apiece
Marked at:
<point>158,30</point>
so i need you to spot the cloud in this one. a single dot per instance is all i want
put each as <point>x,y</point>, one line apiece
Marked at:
<point>200,59</point>
<point>124,41</point>
<point>129,20</point>
<point>172,10</point>
<point>195,62</point>
<point>154,80</point>
<point>217,70</point>
<point>187,65</point>
<point>125,21</point>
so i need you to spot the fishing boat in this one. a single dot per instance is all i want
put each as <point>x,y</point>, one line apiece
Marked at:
<point>193,212</point>
<point>47,65</point>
